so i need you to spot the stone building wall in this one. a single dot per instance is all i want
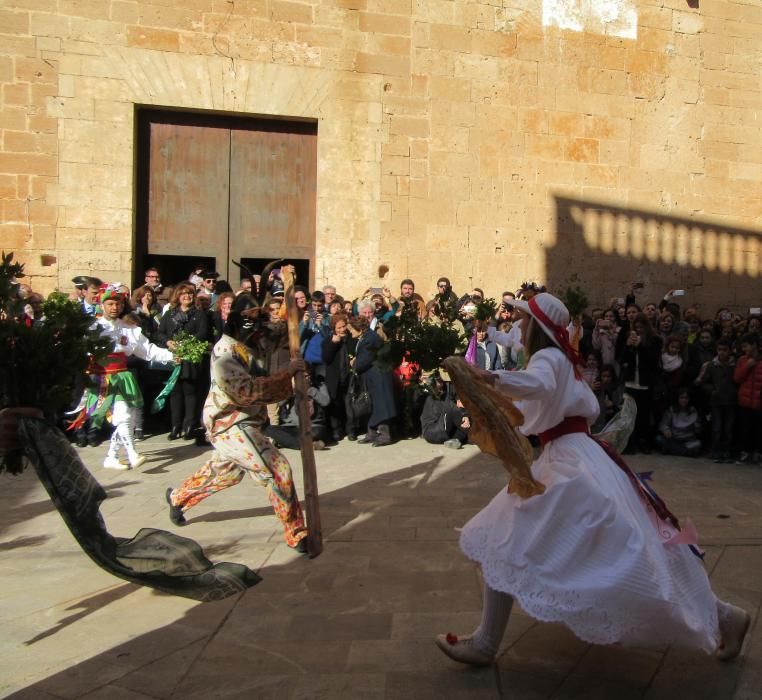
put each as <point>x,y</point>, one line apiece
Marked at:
<point>487,141</point>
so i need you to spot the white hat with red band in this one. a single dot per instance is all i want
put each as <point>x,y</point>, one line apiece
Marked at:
<point>551,311</point>
<point>553,317</point>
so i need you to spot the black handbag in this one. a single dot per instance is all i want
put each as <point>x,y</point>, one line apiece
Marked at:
<point>358,402</point>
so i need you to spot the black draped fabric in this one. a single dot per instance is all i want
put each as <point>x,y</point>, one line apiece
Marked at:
<point>154,558</point>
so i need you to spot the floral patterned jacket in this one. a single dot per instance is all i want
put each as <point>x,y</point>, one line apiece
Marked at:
<point>236,398</point>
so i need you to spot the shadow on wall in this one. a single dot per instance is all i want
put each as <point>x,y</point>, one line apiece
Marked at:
<point>609,247</point>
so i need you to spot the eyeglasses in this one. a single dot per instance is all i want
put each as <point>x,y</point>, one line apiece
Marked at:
<point>442,285</point>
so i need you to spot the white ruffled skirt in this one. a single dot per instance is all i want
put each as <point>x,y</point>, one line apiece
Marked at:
<point>586,554</point>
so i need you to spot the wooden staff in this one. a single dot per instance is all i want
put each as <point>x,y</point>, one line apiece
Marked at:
<point>312,506</point>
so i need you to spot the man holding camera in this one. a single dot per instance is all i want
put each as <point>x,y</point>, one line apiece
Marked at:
<point>407,298</point>
<point>234,416</point>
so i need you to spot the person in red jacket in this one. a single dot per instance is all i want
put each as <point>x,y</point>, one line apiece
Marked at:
<point>748,377</point>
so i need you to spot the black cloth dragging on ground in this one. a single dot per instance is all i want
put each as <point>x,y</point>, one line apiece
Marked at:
<point>154,558</point>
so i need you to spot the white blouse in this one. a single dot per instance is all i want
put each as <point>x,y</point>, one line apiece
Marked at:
<point>547,391</point>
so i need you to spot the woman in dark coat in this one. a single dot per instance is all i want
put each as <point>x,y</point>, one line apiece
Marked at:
<point>336,365</point>
<point>640,361</point>
<point>378,381</point>
<point>185,400</point>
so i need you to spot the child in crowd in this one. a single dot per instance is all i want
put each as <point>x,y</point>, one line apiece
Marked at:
<point>673,367</point>
<point>591,372</point>
<point>610,395</point>
<point>679,428</point>
<point>716,379</point>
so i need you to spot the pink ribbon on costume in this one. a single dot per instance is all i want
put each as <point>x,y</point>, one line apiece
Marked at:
<point>561,336</point>
<point>471,350</point>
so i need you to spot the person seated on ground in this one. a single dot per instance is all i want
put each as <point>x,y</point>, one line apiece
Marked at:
<point>286,433</point>
<point>444,420</point>
<point>680,427</point>
<point>610,395</point>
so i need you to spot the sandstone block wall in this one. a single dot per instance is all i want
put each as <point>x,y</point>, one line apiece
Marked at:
<point>489,142</point>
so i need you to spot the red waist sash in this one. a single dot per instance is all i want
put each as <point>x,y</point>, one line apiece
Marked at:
<point>570,424</point>
<point>113,364</point>
<point>578,424</point>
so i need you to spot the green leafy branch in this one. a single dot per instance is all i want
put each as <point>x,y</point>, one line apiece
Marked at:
<point>188,347</point>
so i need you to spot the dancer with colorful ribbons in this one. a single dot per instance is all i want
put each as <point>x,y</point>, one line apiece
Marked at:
<point>114,389</point>
<point>594,548</point>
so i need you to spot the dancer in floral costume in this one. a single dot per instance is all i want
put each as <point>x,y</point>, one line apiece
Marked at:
<point>234,414</point>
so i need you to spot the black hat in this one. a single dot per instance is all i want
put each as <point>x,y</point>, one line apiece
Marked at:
<point>209,275</point>
<point>83,282</point>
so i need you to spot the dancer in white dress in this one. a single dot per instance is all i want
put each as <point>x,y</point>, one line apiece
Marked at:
<point>590,552</point>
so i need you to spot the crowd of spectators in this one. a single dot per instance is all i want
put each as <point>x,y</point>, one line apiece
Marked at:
<point>694,376</point>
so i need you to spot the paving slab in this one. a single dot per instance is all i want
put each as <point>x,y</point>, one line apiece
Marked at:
<point>358,620</point>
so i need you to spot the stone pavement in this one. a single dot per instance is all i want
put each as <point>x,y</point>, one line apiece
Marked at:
<point>357,621</point>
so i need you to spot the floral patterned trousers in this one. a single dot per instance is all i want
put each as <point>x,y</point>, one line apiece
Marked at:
<point>238,451</point>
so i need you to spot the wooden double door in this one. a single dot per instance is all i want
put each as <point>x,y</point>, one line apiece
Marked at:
<point>212,189</point>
